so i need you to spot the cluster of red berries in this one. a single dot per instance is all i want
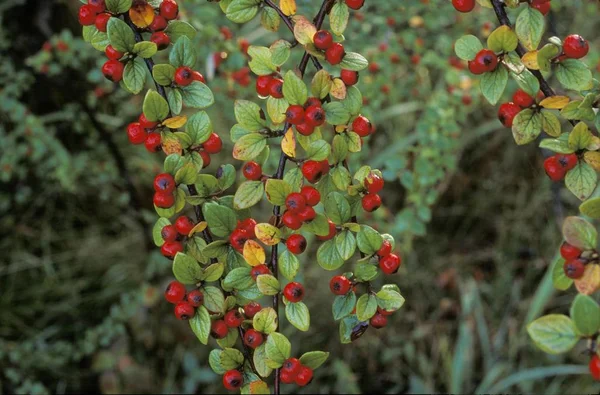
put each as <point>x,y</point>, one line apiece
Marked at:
<point>269,85</point>
<point>113,68</point>
<point>558,165</point>
<point>185,302</point>
<point>212,146</point>
<point>293,372</point>
<point>388,262</point>
<point>299,209</point>
<point>164,190</point>
<point>373,184</point>
<point>173,234</point>
<point>508,111</point>
<point>242,76</point>
<point>485,61</point>
<point>243,232</point>
<point>94,13</point>
<point>167,11</point>
<point>574,266</point>
<point>306,117</point>
<point>334,52</point>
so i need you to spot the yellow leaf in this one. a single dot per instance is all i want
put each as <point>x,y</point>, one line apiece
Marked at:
<point>259,387</point>
<point>338,89</point>
<point>465,83</point>
<point>594,145</point>
<point>592,158</point>
<point>530,60</point>
<point>254,254</point>
<point>288,144</point>
<point>171,144</point>
<point>267,234</point>
<point>340,128</point>
<point>416,21</point>
<point>200,226</point>
<point>304,30</point>
<point>141,14</point>
<point>555,102</point>
<point>590,282</point>
<point>175,122</point>
<point>288,7</point>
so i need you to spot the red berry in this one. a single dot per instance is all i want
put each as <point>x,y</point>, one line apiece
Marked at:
<point>219,329</point>
<point>315,116</point>
<point>567,161</point>
<point>390,264</point>
<point>507,113</point>
<point>213,145</point>
<point>113,70</point>
<point>184,311</point>
<point>355,4</point>
<point>164,182</point>
<point>175,292</point>
<point>161,40</point>
<point>331,234</point>
<point>311,195</point>
<point>183,76</point>
<point>307,214</point>
<point>293,292</point>
<point>145,123</point>
<point>171,248</point>
<point>112,53</point>
<point>361,126</point>
<point>384,312</point>
<point>295,202</point>
<point>291,366</point>
<point>262,85</point>
<point>575,46</point>
<point>371,202</point>
<point>335,54</point>
<point>136,133</point>
<point>523,99</point>
<point>340,285</point>
<point>164,200</point>
<point>374,183</point>
<point>296,244</point>
<point>349,77</point>
<point>102,21</point>
<point>184,225</point>
<point>158,24</point>
<point>574,269</point>
<point>233,318</point>
<point>542,6</point>
<point>251,309</point>
<point>305,374</point>
<point>486,59</point>
<point>569,252</point>
<point>323,40</point>
<point>97,5</point>
<point>238,238</point>
<point>153,142</point>
<point>475,67</point>
<point>248,225</point>
<point>294,114</point>
<point>312,101</point>
<point>291,220</point>
<point>312,171</point>
<point>253,338</point>
<point>233,380</point>
<point>463,5</point>
<point>169,9</point>
<point>595,367</point>
<point>197,76</point>
<point>169,233</point>
<point>276,88</point>
<point>87,15</point>
<point>252,171</point>
<point>553,169</point>
<point>205,159</point>
<point>195,298</point>
<point>325,166</point>
<point>287,378</point>
<point>305,129</point>
<point>259,270</point>
<point>385,250</point>
<point>378,321</point>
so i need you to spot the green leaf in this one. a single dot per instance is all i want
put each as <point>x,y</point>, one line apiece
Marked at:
<point>527,82</point>
<point>580,137</point>
<point>265,321</point>
<point>559,145</point>
<point>183,53</point>
<point>343,305</point>
<point>197,95</point>
<point>321,84</point>
<point>353,101</point>
<point>118,6</point>
<point>298,315</point>
<point>250,146</point>
<point>157,229</point>
<point>591,208</point>
<point>213,272</point>
<point>261,60</point>
<point>276,109</point>
<point>120,35</point>
<point>318,226</point>
<point>574,74</point>
<point>155,107</point>
<point>503,39</point>
<point>177,29</point>
<point>269,19</point>
<point>288,265</point>
<point>280,52</point>
<point>98,39</point>
<point>260,361</point>
<point>365,272</point>
<point>145,49</point>
<point>527,125</point>
<point>553,334</point>
<point>200,324</point>
<point>268,285</point>
<point>221,220</point>
<point>585,314</point>
<point>345,243</point>
<point>278,348</point>
<point>231,358</point>
<point>242,11</point>
<point>214,360</point>
<point>248,114</point>
<point>238,278</point>
<point>175,101</point>
<point>294,89</point>
<point>369,240</point>
<point>354,61</point>
<point>340,176</point>
<point>214,300</point>
<point>336,113</point>
<point>530,27</point>
<point>389,300</point>
<point>199,127</point>
<point>186,175</point>
<point>576,110</point>
<point>163,74</point>
<point>559,278</point>
<point>225,176</point>
<point>582,180</point>
<point>229,340</point>
<point>314,359</point>
<point>366,307</point>
<point>337,208</point>
<point>338,18</point>
<point>328,256</point>
<point>248,194</point>
<point>277,191</point>
<point>467,47</point>
<point>551,124</point>
<point>318,150</point>
<point>493,84</point>
<point>186,269</point>
<point>580,233</point>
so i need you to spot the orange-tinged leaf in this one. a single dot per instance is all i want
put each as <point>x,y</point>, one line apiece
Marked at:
<point>304,30</point>
<point>171,144</point>
<point>175,122</point>
<point>338,89</point>
<point>288,144</point>
<point>590,282</point>
<point>592,158</point>
<point>530,60</point>
<point>267,234</point>
<point>141,14</point>
<point>340,128</point>
<point>200,226</point>
<point>259,387</point>
<point>288,7</point>
<point>254,254</point>
<point>555,102</point>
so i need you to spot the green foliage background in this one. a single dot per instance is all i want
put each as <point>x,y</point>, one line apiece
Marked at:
<point>81,285</point>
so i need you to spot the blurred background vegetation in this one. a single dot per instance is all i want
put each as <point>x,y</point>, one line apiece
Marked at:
<point>81,284</point>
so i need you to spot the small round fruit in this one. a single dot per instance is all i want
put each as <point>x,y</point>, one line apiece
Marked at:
<point>349,77</point>
<point>276,88</point>
<point>262,85</point>
<point>219,329</point>
<point>183,76</point>
<point>136,133</point>
<point>146,124</point>
<point>311,195</point>
<point>340,285</point>
<point>238,238</point>
<point>97,5</point>
<point>575,46</point>
<point>169,233</point>
<point>305,129</point>
<point>233,319</point>
<point>158,24</point>
<point>251,309</point>
<point>249,225</point>
<point>163,200</point>
<point>523,99</point>
<point>213,145</point>
<point>335,54</point>
<point>195,298</point>
<point>175,292</point>
<point>291,366</point>
<point>233,380</point>
<point>362,126</point>
<point>314,116</point>
<point>294,292</point>
<point>553,169</point>
<point>355,4</point>
<point>312,171</point>
<point>371,202</point>
<point>378,321</point>
<point>373,183</point>
<point>253,338</point>
<point>313,101</point>
<point>595,367</point>
<point>153,142</point>
<point>113,70</point>
<point>112,53</point>
<point>171,248</point>
<point>384,312</point>
<point>184,225</point>
<point>390,264</point>
<point>385,250</point>
<point>463,5</point>
<point>252,171</point>
<point>569,252</point>
<point>574,269</point>
<point>295,202</point>
<point>507,113</point>
<point>161,40</point>
<point>331,234</point>
<point>291,220</point>
<point>486,59</point>
<point>102,21</point>
<point>197,76</point>
<point>205,158</point>
<point>294,114</point>
<point>542,6</point>
<point>258,271</point>
<point>307,214</point>
<point>184,311</point>
<point>305,374</point>
<point>164,182</point>
<point>87,15</point>
<point>287,378</point>
<point>323,40</point>
<point>296,244</point>
<point>475,67</point>
<point>169,9</point>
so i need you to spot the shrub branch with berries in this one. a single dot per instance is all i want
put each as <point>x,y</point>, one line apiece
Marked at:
<point>559,123</point>
<point>225,260</point>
